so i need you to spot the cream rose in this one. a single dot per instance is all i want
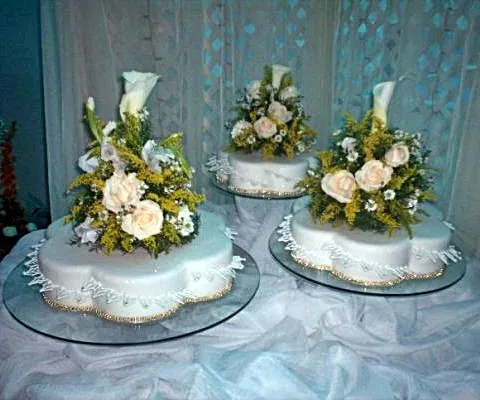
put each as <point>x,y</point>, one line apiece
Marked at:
<point>288,92</point>
<point>277,73</point>
<point>146,220</point>
<point>253,90</point>
<point>397,155</point>
<point>121,190</point>
<point>373,175</point>
<point>279,111</point>
<point>138,86</point>
<point>265,127</point>
<point>339,185</point>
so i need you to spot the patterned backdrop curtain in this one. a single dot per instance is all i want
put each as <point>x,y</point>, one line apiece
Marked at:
<point>207,50</point>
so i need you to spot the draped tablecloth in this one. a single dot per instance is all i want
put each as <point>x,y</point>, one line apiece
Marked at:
<point>295,340</point>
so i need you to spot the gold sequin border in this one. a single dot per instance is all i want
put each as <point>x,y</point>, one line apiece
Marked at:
<point>141,319</point>
<point>264,192</point>
<point>364,282</point>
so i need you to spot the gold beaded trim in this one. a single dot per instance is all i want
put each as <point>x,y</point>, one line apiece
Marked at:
<point>364,282</point>
<point>261,192</point>
<point>140,319</point>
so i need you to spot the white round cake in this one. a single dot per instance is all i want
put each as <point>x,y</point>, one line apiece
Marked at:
<point>369,258</point>
<point>135,287</point>
<point>250,173</point>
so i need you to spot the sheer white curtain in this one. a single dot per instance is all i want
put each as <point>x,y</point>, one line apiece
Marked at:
<point>207,50</point>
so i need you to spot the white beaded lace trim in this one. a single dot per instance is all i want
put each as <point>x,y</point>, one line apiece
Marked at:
<point>334,252</point>
<point>93,289</point>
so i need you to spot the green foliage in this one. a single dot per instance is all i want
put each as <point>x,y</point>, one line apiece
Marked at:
<point>375,210</point>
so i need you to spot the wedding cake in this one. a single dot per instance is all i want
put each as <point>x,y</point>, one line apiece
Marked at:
<point>270,141</point>
<point>365,222</point>
<point>134,247</point>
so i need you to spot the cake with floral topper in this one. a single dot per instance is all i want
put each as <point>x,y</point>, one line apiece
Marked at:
<point>369,221</point>
<point>134,247</point>
<point>269,138</point>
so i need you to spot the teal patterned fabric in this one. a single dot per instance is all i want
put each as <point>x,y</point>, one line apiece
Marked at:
<point>428,43</point>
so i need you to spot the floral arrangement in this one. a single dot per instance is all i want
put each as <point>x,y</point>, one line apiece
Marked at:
<point>12,221</point>
<point>372,178</point>
<point>136,189</point>
<point>271,118</point>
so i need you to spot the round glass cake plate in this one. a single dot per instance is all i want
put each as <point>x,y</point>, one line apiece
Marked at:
<point>267,195</point>
<point>452,274</point>
<point>26,304</point>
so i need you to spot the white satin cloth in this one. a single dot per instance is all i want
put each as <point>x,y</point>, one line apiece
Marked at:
<point>293,341</point>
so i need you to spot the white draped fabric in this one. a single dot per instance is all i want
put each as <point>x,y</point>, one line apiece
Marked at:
<point>293,341</point>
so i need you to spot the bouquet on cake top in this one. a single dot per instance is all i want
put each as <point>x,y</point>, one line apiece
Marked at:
<point>136,189</point>
<point>271,118</point>
<point>373,177</point>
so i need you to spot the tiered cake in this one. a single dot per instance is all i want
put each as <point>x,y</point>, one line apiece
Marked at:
<point>135,247</point>
<point>364,223</point>
<point>270,140</point>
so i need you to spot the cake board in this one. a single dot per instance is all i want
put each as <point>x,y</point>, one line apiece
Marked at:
<point>26,305</point>
<point>452,274</point>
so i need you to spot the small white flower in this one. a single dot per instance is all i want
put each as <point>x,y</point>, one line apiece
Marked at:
<point>251,139</point>
<point>278,138</point>
<point>337,132</point>
<point>184,219</point>
<point>412,203</point>
<point>348,144</point>
<point>413,210</point>
<point>370,205</point>
<point>352,156</point>
<point>389,194</point>
<point>240,127</point>
<point>283,132</point>
<point>300,147</point>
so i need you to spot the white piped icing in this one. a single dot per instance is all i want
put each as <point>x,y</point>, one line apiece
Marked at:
<point>369,258</point>
<point>134,286</point>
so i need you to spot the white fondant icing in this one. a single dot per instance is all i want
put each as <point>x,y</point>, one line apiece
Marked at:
<point>134,285</point>
<point>370,257</point>
<point>252,172</point>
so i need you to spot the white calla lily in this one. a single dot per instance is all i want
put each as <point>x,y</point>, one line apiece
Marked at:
<point>138,86</point>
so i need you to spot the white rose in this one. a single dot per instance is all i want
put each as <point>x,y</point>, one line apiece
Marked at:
<point>121,190</point>
<point>253,90</point>
<point>348,144</point>
<point>277,73</point>
<point>339,185</point>
<point>239,127</point>
<point>88,163</point>
<point>265,127</point>
<point>279,111</point>
<point>373,175</point>
<point>397,155</point>
<point>146,220</point>
<point>138,86</point>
